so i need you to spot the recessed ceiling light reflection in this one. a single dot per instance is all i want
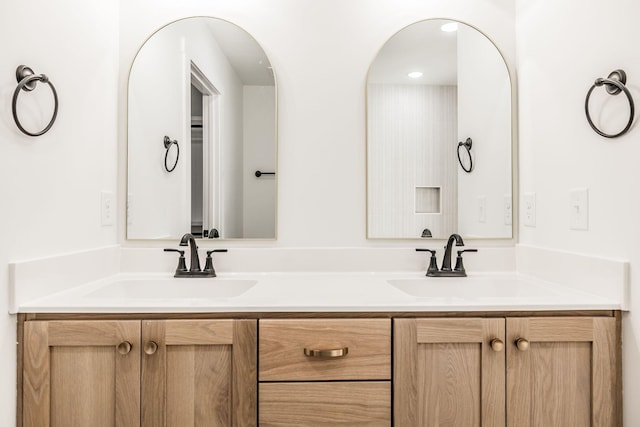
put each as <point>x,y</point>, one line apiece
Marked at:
<point>449,27</point>
<point>415,74</point>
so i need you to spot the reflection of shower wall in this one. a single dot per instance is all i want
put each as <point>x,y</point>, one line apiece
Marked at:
<point>412,144</point>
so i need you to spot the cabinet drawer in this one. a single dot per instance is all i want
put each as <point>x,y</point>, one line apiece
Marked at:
<point>367,343</point>
<point>325,404</point>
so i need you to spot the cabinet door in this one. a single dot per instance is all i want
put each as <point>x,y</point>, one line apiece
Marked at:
<point>199,373</point>
<point>563,373</point>
<point>81,374</point>
<point>449,372</point>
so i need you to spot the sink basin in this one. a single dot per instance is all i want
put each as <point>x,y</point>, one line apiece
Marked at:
<point>212,288</point>
<point>469,288</point>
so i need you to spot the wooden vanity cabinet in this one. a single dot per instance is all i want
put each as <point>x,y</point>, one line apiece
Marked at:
<point>81,374</point>
<point>140,373</point>
<point>325,372</point>
<point>518,372</point>
<point>446,373</point>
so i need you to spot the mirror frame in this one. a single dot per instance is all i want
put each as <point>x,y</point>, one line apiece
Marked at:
<point>126,145</point>
<point>514,145</point>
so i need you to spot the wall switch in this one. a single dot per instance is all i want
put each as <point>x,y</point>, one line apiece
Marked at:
<point>482,209</point>
<point>529,209</point>
<point>508,210</point>
<point>107,208</point>
<point>579,209</point>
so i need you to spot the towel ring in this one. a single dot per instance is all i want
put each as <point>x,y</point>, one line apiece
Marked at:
<point>167,145</point>
<point>614,84</point>
<point>27,81</point>
<point>467,146</point>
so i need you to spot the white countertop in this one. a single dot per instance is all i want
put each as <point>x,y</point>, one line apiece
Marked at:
<point>316,292</point>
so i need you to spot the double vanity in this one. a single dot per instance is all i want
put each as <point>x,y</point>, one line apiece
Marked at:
<point>320,349</point>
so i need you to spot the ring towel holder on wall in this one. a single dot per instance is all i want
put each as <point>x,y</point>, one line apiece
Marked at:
<point>167,145</point>
<point>27,81</point>
<point>613,84</point>
<point>465,159</point>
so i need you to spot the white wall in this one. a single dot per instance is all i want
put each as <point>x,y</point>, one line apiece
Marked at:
<point>484,115</point>
<point>562,48</point>
<point>159,89</point>
<point>51,185</point>
<point>259,135</point>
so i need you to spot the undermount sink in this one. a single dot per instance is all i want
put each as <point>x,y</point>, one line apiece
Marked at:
<point>213,288</point>
<point>469,288</point>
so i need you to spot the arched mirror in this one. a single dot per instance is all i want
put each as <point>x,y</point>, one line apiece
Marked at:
<point>434,87</point>
<point>201,135</point>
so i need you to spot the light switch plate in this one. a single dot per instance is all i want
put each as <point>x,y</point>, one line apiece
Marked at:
<point>107,208</point>
<point>529,209</point>
<point>579,209</point>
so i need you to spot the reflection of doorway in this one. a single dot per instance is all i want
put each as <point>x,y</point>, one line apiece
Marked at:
<point>205,200</point>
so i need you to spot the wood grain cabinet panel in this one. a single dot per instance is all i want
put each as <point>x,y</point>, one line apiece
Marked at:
<point>199,373</point>
<point>341,379</point>
<point>325,404</point>
<point>159,373</point>
<point>282,344</point>
<point>566,375</point>
<point>447,374</point>
<point>559,371</point>
<point>76,375</point>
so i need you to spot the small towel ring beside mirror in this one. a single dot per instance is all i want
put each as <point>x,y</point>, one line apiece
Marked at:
<point>613,84</point>
<point>465,160</point>
<point>167,145</point>
<point>27,81</point>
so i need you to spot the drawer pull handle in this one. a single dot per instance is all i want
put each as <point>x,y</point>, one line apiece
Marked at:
<point>327,353</point>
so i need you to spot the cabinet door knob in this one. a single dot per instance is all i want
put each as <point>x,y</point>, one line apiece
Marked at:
<point>497,344</point>
<point>150,347</point>
<point>522,344</point>
<point>326,353</point>
<point>124,347</point>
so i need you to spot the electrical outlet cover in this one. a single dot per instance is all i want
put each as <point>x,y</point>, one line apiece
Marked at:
<point>529,209</point>
<point>107,208</point>
<point>508,210</point>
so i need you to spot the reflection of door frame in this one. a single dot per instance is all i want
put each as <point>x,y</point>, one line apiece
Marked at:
<point>210,148</point>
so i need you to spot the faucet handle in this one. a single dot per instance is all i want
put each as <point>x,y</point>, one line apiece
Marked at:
<point>182,264</point>
<point>433,264</point>
<point>216,250</point>
<point>433,252</point>
<point>459,265</point>
<point>208,266</point>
